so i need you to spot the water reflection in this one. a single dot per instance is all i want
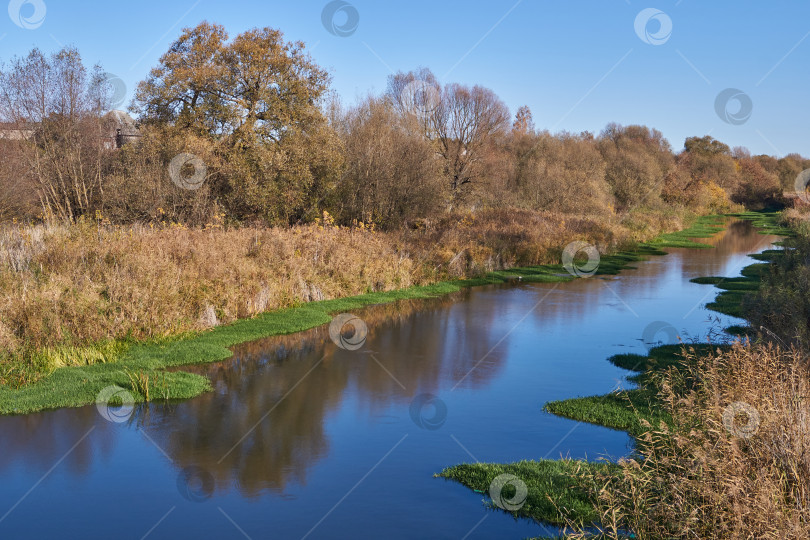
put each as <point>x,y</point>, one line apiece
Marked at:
<point>265,423</point>
<point>285,411</point>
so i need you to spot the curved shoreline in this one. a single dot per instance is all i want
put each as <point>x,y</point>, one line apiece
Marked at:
<point>555,495</point>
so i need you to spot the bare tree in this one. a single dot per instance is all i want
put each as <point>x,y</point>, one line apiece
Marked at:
<point>462,120</point>
<point>48,100</point>
<point>393,174</point>
<point>465,121</point>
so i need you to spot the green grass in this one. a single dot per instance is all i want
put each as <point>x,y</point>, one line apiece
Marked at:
<point>657,359</point>
<point>626,409</point>
<point>741,331</point>
<point>766,222</point>
<point>767,255</point>
<point>78,386</point>
<point>735,289</point>
<point>618,410</point>
<point>704,227</point>
<point>554,493</point>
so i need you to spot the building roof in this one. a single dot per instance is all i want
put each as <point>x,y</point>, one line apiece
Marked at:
<point>123,121</point>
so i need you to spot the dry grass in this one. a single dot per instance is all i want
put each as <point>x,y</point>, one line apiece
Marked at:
<point>797,216</point>
<point>492,239</point>
<point>86,283</point>
<point>70,294</point>
<point>721,470</point>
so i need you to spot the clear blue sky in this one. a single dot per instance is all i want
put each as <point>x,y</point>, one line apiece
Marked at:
<point>577,64</point>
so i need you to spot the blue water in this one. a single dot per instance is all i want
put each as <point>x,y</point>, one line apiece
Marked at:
<point>304,439</point>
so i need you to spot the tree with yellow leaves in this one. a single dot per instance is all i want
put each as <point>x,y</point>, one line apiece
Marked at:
<point>256,101</point>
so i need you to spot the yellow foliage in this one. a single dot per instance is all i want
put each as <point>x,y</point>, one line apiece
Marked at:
<point>718,198</point>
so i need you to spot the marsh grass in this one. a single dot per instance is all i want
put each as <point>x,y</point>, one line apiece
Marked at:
<point>703,227</point>
<point>628,410</point>
<point>69,356</point>
<point>149,386</point>
<point>780,307</point>
<point>701,476</point>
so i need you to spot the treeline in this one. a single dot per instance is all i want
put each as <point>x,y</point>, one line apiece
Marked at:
<point>266,142</point>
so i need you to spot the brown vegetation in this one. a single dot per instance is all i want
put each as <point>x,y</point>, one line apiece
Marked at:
<point>91,281</point>
<point>277,150</point>
<point>299,197</point>
<point>734,462</point>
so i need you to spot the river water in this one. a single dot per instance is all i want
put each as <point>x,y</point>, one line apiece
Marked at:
<point>304,439</point>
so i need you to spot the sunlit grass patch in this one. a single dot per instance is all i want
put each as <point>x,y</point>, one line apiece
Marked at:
<point>623,410</point>
<point>704,227</point>
<point>627,410</point>
<point>766,222</point>
<point>554,494</point>
<point>70,356</point>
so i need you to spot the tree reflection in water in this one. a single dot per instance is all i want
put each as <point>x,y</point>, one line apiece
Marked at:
<point>264,425</point>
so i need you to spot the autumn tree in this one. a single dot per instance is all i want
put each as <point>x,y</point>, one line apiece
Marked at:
<point>564,173</point>
<point>706,145</point>
<point>524,123</point>
<point>638,160</point>
<point>392,173</point>
<point>788,169</point>
<point>758,187</point>
<point>709,161</point>
<point>769,163</point>
<point>254,103</point>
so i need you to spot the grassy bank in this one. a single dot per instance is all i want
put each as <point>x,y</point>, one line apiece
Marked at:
<point>36,382</point>
<point>563,492</point>
<point>556,491</point>
<point>678,482</point>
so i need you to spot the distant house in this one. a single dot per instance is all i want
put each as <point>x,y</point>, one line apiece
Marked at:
<point>16,131</point>
<point>120,130</point>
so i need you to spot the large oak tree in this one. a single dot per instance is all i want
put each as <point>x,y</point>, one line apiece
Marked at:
<point>255,103</point>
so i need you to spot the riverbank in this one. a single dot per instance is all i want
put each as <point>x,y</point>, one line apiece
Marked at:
<point>140,365</point>
<point>683,394</point>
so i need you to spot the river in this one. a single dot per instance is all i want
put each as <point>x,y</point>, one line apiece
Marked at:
<point>305,439</point>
